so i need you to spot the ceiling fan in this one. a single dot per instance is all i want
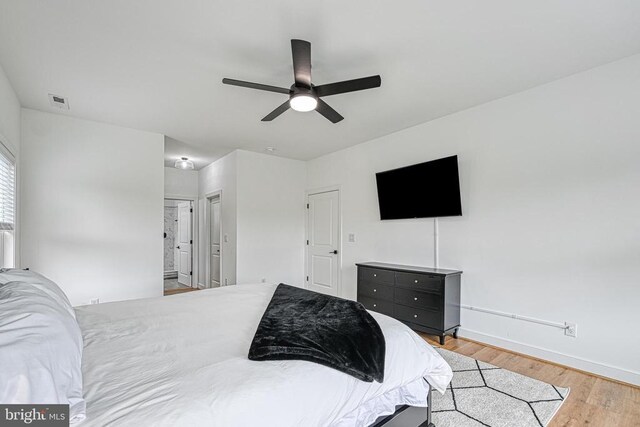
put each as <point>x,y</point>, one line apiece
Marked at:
<point>303,95</point>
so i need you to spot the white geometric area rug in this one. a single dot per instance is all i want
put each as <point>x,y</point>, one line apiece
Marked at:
<point>481,394</point>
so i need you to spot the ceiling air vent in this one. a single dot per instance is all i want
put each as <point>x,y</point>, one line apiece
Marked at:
<point>58,102</point>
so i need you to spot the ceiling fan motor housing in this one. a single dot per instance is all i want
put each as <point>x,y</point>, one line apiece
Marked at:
<point>302,91</point>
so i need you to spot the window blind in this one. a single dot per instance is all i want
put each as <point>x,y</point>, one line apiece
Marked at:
<point>7,191</point>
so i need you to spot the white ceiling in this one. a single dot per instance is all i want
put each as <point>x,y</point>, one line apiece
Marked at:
<point>200,155</point>
<point>157,65</point>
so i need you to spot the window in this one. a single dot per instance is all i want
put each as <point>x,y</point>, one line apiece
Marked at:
<point>7,208</point>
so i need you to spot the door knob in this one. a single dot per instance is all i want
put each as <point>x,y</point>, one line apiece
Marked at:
<point>334,252</point>
<point>177,247</point>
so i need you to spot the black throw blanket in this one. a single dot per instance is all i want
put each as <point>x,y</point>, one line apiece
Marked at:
<point>303,325</point>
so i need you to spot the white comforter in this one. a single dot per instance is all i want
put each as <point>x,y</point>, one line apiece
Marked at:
<point>182,361</point>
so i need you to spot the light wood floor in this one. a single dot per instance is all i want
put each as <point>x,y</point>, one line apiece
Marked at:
<point>172,287</point>
<point>593,401</point>
<point>179,291</point>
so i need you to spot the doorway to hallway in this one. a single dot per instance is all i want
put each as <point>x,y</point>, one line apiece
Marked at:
<point>178,246</point>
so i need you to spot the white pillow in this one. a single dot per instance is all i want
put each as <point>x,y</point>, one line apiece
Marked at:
<point>38,280</point>
<point>40,345</point>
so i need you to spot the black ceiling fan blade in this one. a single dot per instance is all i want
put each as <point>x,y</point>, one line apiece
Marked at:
<point>331,114</point>
<point>275,113</point>
<point>348,86</point>
<point>258,86</point>
<point>301,51</point>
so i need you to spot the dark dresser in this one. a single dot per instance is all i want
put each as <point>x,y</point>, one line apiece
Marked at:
<point>426,299</point>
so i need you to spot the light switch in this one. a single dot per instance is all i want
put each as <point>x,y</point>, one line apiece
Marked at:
<point>352,238</point>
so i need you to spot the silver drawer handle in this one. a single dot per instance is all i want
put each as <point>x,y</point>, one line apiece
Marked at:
<point>415,315</point>
<point>415,298</point>
<point>375,305</point>
<point>415,281</point>
<point>375,290</point>
<point>375,275</point>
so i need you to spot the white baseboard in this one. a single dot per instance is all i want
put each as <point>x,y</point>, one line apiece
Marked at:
<point>597,368</point>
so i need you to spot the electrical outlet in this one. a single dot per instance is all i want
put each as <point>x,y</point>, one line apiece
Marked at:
<point>94,301</point>
<point>571,330</point>
<point>352,238</point>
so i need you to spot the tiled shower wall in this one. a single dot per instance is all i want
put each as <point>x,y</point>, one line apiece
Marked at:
<point>170,228</point>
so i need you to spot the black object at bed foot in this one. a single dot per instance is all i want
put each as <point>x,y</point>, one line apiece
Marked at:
<point>407,416</point>
<point>427,422</point>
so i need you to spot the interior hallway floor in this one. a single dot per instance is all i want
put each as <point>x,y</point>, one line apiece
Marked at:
<point>172,287</point>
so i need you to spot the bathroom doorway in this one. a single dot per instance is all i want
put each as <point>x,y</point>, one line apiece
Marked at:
<point>178,246</point>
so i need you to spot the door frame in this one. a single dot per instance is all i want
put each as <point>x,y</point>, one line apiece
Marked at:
<point>194,233</point>
<point>312,192</point>
<point>207,238</point>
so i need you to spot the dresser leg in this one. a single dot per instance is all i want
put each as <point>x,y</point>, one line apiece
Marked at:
<point>441,339</point>
<point>455,333</point>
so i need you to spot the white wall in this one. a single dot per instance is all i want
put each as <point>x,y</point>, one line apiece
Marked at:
<point>551,197</point>
<point>92,206</point>
<point>262,215</point>
<point>220,175</point>
<point>180,183</point>
<point>271,192</point>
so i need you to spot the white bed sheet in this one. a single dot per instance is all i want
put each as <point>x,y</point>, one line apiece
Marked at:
<point>182,361</point>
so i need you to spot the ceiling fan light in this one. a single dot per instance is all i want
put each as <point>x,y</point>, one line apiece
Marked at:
<point>184,163</point>
<point>303,103</point>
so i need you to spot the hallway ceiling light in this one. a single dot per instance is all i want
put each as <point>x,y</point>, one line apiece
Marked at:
<point>184,163</point>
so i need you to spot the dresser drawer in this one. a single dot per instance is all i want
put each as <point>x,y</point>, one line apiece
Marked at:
<point>432,319</point>
<point>424,282</point>
<point>375,275</point>
<point>375,290</point>
<point>418,299</point>
<point>384,307</point>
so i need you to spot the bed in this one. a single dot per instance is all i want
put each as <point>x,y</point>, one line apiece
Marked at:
<point>182,361</point>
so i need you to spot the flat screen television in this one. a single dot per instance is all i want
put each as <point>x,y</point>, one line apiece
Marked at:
<point>424,190</point>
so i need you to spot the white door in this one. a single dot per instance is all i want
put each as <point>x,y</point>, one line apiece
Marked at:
<point>214,212</point>
<point>323,232</point>
<point>184,243</point>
